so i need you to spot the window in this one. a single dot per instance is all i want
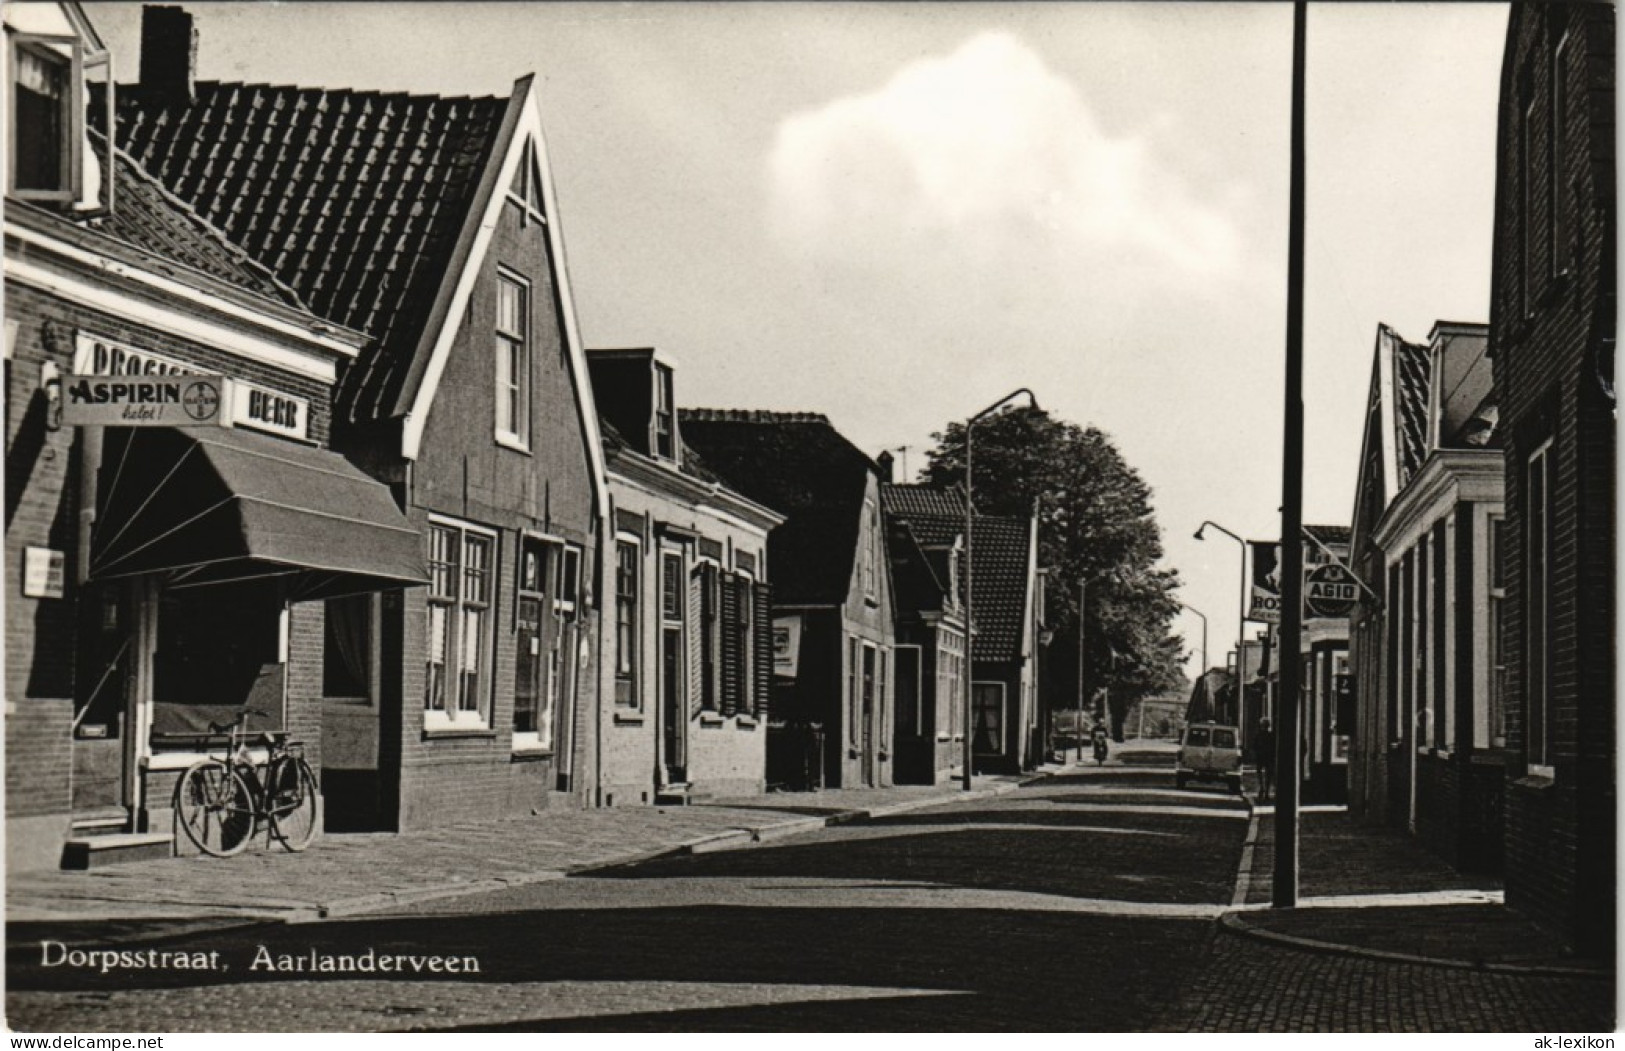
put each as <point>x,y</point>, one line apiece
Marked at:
<point>513,361</point>
<point>1420,622</point>
<point>866,547</point>
<point>627,556</point>
<point>665,443</point>
<point>44,119</point>
<point>1526,219</point>
<point>569,583</point>
<point>852,718</point>
<point>1537,609</point>
<point>1496,647</point>
<point>456,684</point>
<point>744,630</point>
<point>1443,703</point>
<point>1561,247</point>
<point>347,647</point>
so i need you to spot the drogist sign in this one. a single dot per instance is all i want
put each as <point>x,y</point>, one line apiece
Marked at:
<point>143,401</point>
<point>118,385</point>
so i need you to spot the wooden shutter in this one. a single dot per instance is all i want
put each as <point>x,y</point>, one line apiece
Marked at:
<point>732,668</point>
<point>762,623</point>
<point>696,636</point>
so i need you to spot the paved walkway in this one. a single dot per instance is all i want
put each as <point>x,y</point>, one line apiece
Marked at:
<point>352,874</point>
<point>1379,894</point>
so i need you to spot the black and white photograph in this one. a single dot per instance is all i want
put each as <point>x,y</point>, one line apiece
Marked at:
<point>859,517</point>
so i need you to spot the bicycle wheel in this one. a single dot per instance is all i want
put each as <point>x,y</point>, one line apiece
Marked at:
<point>290,792</point>
<point>214,807</point>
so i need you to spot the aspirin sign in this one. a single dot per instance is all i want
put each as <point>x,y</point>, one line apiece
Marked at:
<point>145,392</point>
<point>144,401</point>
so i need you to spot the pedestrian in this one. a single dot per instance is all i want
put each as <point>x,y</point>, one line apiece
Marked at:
<point>1264,745</point>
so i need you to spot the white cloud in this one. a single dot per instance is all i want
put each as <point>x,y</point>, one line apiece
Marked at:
<point>987,143</point>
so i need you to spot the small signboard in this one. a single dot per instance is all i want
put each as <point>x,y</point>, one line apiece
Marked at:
<point>143,401</point>
<point>1266,581</point>
<point>1329,591</point>
<point>786,646</point>
<point>44,572</point>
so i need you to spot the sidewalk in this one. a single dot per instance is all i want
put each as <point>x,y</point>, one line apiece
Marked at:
<point>1377,893</point>
<point>344,875</point>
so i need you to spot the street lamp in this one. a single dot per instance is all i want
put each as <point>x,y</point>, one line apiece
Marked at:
<point>970,563</point>
<point>1241,628</point>
<point>1199,613</point>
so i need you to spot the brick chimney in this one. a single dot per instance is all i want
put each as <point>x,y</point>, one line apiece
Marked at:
<point>885,461</point>
<point>168,53</point>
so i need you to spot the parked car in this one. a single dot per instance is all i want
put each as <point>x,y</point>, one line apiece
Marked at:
<point>1209,752</point>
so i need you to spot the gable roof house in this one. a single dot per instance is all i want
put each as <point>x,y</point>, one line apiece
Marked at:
<point>430,224</point>
<point>925,534</point>
<point>1006,605</point>
<point>170,492</point>
<point>1429,719</point>
<point>831,715</point>
<point>689,641</point>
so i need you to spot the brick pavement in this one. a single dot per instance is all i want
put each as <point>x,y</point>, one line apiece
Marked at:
<point>356,873</point>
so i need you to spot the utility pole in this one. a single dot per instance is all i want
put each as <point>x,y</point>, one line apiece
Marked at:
<point>1285,884</point>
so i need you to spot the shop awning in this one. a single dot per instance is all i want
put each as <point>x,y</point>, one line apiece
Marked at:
<point>206,506</point>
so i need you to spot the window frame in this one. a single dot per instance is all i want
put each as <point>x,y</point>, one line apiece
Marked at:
<point>450,715</point>
<point>1562,262</point>
<point>1537,662</point>
<point>513,350</point>
<point>72,158</point>
<point>628,623</point>
<point>663,420</point>
<point>529,742</point>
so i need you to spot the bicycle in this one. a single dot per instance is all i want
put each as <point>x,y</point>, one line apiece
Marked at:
<point>220,803</point>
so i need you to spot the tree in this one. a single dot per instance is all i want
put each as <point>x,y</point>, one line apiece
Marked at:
<point>1095,526</point>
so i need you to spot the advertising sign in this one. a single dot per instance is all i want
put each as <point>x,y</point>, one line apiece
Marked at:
<point>1266,583</point>
<point>1329,591</point>
<point>240,403</point>
<point>786,646</point>
<point>143,401</point>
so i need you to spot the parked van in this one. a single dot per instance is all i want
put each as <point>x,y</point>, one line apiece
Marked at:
<point>1209,752</point>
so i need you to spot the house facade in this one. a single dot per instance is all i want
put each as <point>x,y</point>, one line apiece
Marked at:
<point>688,627</point>
<point>178,519</point>
<point>1429,752</point>
<point>431,225</point>
<point>926,548</point>
<point>1552,331</point>
<point>831,718</point>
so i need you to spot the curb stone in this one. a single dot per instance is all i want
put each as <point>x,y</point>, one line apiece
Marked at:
<point>1236,923</point>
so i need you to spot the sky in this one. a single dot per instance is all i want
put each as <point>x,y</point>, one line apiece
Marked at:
<point>894,213</point>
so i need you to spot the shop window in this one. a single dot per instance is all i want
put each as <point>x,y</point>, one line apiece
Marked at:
<point>457,680</point>
<point>513,366</point>
<point>627,556</point>
<point>347,648</point>
<point>219,649</point>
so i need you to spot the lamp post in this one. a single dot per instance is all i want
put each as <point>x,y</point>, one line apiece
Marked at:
<point>1241,628</point>
<point>1199,613</point>
<point>970,569</point>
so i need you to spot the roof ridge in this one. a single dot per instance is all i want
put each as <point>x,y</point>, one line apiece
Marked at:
<point>704,415</point>
<point>371,93</point>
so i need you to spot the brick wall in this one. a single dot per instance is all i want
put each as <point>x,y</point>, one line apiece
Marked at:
<point>1552,340</point>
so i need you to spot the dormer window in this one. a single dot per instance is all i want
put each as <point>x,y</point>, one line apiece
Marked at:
<point>665,415</point>
<point>47,145</point>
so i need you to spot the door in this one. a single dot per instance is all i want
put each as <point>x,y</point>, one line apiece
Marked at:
<point>867,725</point>
<point>99,721</point>
<point>673,682</point>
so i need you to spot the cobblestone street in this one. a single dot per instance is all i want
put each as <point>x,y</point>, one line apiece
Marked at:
<point>1083,902</point>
